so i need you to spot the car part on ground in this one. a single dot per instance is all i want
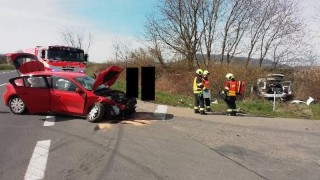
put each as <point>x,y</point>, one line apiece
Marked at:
<point>308,102</point>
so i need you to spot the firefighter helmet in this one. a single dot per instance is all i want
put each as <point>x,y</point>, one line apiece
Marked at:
<point>206,72</point>
<point>199,71</point>
<point>229,76</point>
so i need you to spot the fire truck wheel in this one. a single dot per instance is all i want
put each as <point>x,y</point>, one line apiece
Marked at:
<point>16,105</point>
<point>96,113</point>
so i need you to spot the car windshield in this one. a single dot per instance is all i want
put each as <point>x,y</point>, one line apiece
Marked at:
<point>87,82</point>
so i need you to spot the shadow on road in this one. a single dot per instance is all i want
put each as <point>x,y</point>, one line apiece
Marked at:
<point>138,119</point>
<point>225,113</point>
<point>138,116</point>
<point>142,116</point>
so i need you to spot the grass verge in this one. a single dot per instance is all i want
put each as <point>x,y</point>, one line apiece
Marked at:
<point>252,107</point>
<point>6,67</point>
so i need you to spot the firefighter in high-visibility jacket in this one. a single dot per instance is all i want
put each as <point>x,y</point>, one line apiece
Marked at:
<point>198,88</point>
<point>230,89</point>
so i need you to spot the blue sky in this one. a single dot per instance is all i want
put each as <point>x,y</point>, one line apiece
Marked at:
<point>122,16</point>
<point>27,23</point>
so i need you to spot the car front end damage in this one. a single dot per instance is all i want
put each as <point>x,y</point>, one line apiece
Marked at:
<point>122,106</point>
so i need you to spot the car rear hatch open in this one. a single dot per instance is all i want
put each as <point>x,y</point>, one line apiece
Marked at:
<point>25,62</point>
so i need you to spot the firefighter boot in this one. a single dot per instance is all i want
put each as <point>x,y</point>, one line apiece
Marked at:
<point>202,112</point>
<point>196,111</point>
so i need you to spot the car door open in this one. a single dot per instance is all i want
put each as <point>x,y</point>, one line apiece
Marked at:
<point>34,92</point>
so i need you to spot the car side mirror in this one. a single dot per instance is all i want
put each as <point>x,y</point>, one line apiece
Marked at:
<point>79,91</point>
<point>86,57</point>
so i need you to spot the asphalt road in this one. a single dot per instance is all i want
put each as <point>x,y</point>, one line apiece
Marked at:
<point>154,145</point>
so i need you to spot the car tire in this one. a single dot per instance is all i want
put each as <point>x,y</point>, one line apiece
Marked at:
<point>16,105</point>
<point>96,113</point>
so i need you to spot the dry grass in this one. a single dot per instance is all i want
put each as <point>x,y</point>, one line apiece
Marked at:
<point>177,78</point>
<point>306,83</point>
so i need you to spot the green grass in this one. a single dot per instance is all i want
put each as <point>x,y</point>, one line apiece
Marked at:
<point>6,67</point>
<point>119,85</point>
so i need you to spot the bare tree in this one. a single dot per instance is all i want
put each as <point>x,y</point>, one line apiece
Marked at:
<point>77,37</point>
<point>179,27</point>
<point>120,50</point>
<point>155,46</point>
<point>272,20</point>
<point>210,11</point>
<point>238,14</point>
<point>261,11</point>
<point>253,27</point>
<point>283,50</point>
<point>156,52</point>
<point>282,23</point>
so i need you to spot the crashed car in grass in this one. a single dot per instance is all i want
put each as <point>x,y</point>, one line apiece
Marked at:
<point>273,85</point>
<point>39,91</point>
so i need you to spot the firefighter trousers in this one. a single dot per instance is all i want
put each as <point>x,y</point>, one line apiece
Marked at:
<point>198,102</point>
<point>207,102</point>
<point>231,103</point>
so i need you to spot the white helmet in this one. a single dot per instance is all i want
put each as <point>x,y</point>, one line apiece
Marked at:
<point>229,76</point>
<point>199,71</point>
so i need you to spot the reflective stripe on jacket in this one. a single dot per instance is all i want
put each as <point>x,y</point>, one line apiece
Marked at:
<point>231,86</point>
<point>197,85</point>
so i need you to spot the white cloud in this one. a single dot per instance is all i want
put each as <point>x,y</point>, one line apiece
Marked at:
<point>102,48</point>
<point>30,23</point>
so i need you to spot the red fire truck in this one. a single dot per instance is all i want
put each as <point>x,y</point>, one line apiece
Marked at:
<point>60,58</point>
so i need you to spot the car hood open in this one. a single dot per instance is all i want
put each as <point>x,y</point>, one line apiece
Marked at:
<point>25,62</point>
<point>107,77</point>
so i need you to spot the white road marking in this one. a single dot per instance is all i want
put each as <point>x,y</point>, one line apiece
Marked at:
<point>161,111</point>
<point>49,121</point>
<point>3,84</point>
<point>38,161</point>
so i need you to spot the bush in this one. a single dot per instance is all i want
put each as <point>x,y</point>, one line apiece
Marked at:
<point>306,83</point>
<point>6,67</point>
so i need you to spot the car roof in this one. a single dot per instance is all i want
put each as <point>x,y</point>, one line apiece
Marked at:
<point>56,73</point>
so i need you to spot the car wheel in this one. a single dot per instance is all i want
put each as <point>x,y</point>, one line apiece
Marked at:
<point>16,105</point>
<point>96,113</point>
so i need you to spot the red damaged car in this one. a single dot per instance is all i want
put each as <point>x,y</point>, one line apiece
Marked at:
<point>39,91</point>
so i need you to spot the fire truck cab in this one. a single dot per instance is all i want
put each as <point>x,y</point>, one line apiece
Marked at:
<point>60,58</point>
